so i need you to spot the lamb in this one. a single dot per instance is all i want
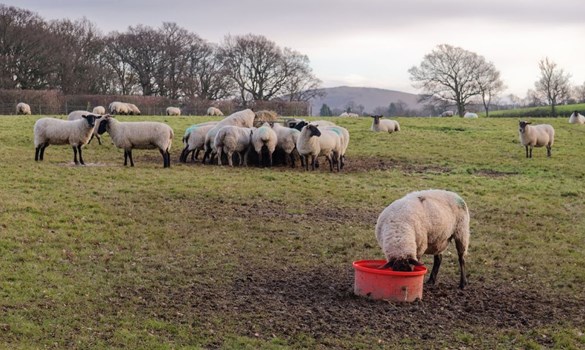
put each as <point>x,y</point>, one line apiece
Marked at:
<point>22,108</point>
<point>99,110</point>
<point>470,115</point>
<point>264,136</point>
<point>536,136</point>
<point>140,135</point>
<point>117,107</point>
<point>387,125</point>
<point>194,140</point>
<point>132,109</point>
<point>230,139</point>
<point>213,111</point>
<point>576,118</point>
<point>53,131</point>
<point>314,142</point>
<point>75,115</point>
<point>173,111</point>
<point>244,118</point>
<point>286,139</point>
<point>424,222</point>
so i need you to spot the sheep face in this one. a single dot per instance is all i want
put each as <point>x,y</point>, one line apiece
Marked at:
<point>103,125</point>
<point>377,118</point>
<point>91,118</point>
<point>404,264</point>
<point>522,126</point>
<point>300,125</point>
<point>313,130</point>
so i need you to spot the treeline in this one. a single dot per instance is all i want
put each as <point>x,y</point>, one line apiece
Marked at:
<point>74,57</point>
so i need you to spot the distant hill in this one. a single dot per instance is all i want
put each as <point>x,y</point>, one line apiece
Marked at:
<point>338,98</point>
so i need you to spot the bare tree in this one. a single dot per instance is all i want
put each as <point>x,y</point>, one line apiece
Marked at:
<point>207,76</point>
<point>449,74</point>
<point>301,84</point>
<point>488,83</point>
<point>533,99</point>
<point>553,83</point>
<point>579,93</point>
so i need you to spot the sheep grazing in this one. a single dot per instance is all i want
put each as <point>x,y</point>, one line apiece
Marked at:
<point>387,125</point>
<point>244,119</point>
<point>447,114</point>
<point>264,136</point>
<point>22,108</point>
<point>470,115</point>
<point>194,140</point>
<point>313,142</point>
<point>232,139</point>
<point>75,115</point>
<point>286,139</point>
<point>424,222</point>
<point>119,108</point>
<point>536,136</point>
<point>139,135</point>
<point>132,109</point>
<point>99,110</point>
<point>576,118</point>
<point>53,131</point>
<point>173,111</point>
<point>213,111</point>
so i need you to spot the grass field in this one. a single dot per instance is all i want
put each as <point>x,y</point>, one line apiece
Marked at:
<point>563,111</point>
<point>106,256</point>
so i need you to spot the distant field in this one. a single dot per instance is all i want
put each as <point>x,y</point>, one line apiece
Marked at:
<point>106,256</point>
<point>563,111</point>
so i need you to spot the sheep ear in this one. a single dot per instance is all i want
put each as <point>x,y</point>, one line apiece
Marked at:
<point>415,262</point>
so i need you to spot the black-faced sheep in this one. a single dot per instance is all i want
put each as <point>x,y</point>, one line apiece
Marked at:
<point>536,136</point>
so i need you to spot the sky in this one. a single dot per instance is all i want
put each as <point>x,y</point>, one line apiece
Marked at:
<point>370,43</point>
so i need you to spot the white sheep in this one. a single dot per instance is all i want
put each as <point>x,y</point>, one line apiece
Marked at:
<point>470,115</point>
<point>133,109</point>
<point>424,222</point>
<point>536,136</point>
<point>287,141</point>
<point>194,140</point>
<point>264,136</point>
<point>53,131</point>
<point>447,114</point>
<point>173,111</point>
<point>344,135</point>
<point>117,107</point>
<point>75,115</point>
<point>387,125</point>
<point>22,108</point>
<point>244,118</point>
<point>313,142</point>
<point>232,139</point>
<point>139,135</point>
<point>213,111</point>
<point>99,110</point>
<point>576,118</point>
<point>353,115</point>
<point>344,114</point>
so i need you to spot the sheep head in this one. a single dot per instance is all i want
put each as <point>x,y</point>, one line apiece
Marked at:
<point>522,126</point>
<point>313,130</point>
<point>91,118</point>
<point>402,264</point>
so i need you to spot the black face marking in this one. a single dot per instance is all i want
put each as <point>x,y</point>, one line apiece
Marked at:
<point>313,130</point>
<point>102,126</point>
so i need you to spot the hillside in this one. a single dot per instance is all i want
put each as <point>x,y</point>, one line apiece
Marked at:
<point>370,98</point>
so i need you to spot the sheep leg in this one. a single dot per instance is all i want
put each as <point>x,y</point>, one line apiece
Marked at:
<point>125,157</point>
<point>220,153</point>
<point>259,157</point>
<point>195,154</point>
<point>436,264</point>
<point>330,160</point>
<point>130,157</point>
<point>168,154</point>
<point>37,152</point>
<point>99,139</point>
<point>292,159</point>
<point>75,155</point>
<point>526,151</point>
<point>164,155</point>
<point>206,154</point>
<point>548,151</point>
<point>270,158</point>
<point>43,147</point>
<point>184,154</point>
<point>80,157</point>
<point>462,278</point>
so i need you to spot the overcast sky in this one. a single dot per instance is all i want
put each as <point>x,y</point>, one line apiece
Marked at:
<point>369,43</point>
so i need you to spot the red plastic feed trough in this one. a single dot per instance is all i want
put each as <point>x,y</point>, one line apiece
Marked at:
<point>374,283</point>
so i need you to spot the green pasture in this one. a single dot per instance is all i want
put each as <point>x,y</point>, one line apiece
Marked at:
<point>101,256</point>
<point>563,111</point>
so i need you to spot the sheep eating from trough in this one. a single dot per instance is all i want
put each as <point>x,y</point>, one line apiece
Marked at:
<point>53,131</point>
<point>140,135</point>
<point>194,140</point>
<point>264,136</point>
<point>536,136</point>
<point>232,139</point>
<point>424,222</point>
<point>244,118</point>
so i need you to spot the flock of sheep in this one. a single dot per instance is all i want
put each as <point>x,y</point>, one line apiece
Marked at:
<point>422,222</point>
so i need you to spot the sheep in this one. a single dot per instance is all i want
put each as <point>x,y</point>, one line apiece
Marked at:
<point>388,125</point>
<point>300,125</point>
<point>286,139</point>
<point>53,131</point>
<point>265,116</point>
<point>22,108</point>
<point>447,114</point>
<point>75,115</point>
<point>132,109</point>
<point>230,139</point>
<point>117,107</point>
<point>140,135</point>
<point>244,118</point>
<point>470,115</point>
<point>194,140</point>
<point>213,111</point>
<point>536,136</point>
<point>344,114</point>
<point>424,222</point>
<point>576,118</point>
<point>353,115</point>
<point>99,110</point>
<point>264,136</point>
<point>292,122</point>
<point>313,142</point>
<point>344,135</point>
<point>173,111</point>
